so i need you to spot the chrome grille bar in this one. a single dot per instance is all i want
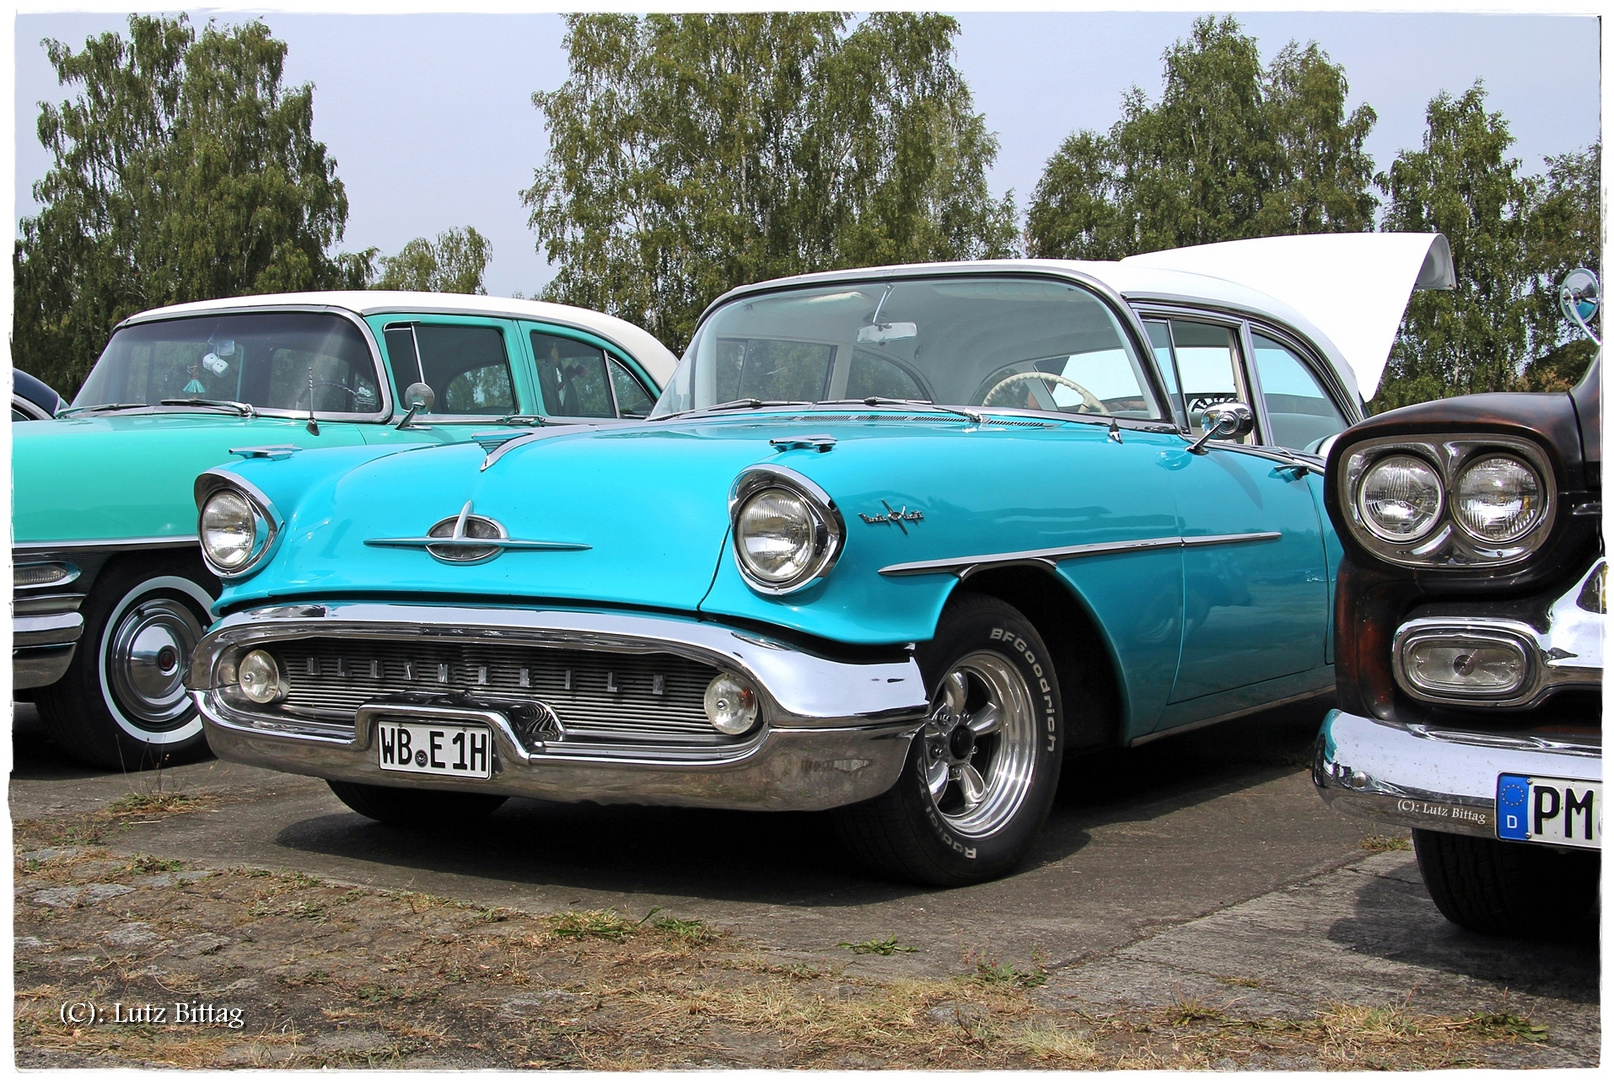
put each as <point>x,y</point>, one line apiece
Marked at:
<point>600,695</point>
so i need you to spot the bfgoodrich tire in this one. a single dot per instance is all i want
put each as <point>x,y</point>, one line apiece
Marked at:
<point>1496,887</point>
<point>413,808</point>
<point>982,773</point>
<point>122,703</point>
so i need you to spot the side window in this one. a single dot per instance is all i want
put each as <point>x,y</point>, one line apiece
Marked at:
<point>1207,363</point>
<point>1160,342</point>
<point>875,376</point>
<point>772,370</point>
<point>1299,410</point>
<point>571,376</point>
<point>632,399</point>
<point>467,367</point>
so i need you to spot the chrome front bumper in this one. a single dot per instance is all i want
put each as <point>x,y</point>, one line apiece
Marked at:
<point>833,731</point>
<point>1441,779</point>
<point>42,647</point>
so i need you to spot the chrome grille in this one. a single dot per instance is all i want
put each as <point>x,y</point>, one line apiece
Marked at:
<point>596,695</point>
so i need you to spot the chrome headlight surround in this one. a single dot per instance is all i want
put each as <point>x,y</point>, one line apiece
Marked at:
<point>826,527</point>
<point>1446,543</point>
<point>266,522</point>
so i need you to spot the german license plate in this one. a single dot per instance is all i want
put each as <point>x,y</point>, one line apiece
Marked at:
<point>1549,810</point>
<point>438,749</point>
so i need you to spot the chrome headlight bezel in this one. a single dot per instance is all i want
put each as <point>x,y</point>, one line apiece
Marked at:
<point>1446,544</point>
<point>267,524</point>
<point>828,527</point>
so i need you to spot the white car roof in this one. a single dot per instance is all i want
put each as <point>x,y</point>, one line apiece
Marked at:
<point>637,342</point>
<point>1344,292</point>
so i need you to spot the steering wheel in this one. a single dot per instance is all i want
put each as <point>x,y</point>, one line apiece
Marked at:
<point>1090,402</point>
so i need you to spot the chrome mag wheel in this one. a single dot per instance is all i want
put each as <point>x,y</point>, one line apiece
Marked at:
<point>979,744</point>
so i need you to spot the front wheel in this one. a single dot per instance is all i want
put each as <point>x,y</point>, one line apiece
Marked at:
<point>981,774</point>
<point>1497,887</point>
<point>122,703</point>
<point>413,808</point>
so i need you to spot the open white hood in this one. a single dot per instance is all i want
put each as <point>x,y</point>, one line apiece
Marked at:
<point>1353,287</point>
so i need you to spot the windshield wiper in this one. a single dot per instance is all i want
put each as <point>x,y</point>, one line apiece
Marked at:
<point>105,406</point>
<point>240,408</point>
<point>737,403</point>
<point>529,419</point>
<point>907,403</point>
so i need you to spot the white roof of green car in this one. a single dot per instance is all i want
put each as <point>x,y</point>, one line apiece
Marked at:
<point>637,342</point>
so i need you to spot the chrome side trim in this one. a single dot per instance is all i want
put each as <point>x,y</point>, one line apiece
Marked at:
<point>57,628</point>
<point>1442,779</point>
<point>40,666</point>
<point>130,543</point>
<point>1048,557</point>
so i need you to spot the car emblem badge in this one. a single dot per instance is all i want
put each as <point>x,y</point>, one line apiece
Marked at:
<point>894,517</point>
<point>468,538</point>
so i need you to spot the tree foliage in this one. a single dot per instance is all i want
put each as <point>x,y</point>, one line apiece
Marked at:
<point>1512,238</point>
<point>183,170</point>
<point>689,154</point>
<point>453,263</point>
<point>1232,150</point>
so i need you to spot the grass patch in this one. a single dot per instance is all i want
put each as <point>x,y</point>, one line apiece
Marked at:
<point>1188,1011</point>
<point>158,802</point>
<point>988,973</point>
<point>877,946</point>
<point>1387,843</point>
<point>150,864</point>
<point>606,925</point>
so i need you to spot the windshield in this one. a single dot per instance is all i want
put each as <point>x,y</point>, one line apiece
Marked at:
<point>284,360</point>
<point>1023,343</point>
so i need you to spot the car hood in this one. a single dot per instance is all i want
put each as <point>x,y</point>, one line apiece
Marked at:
<point>637,515</point>
<point>643,511</point>
<point>125,476</point>
<point>1351,286</point>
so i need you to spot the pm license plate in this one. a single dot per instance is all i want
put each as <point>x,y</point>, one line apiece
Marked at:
<point>1549,810</point>
<point>437,749</point>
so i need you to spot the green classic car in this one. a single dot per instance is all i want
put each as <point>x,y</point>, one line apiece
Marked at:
<point>110,591</point>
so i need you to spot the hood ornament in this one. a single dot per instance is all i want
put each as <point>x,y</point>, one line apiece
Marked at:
<point>469,538</point>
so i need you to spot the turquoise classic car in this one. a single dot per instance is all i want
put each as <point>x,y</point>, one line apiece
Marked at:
<point>892,543</point>
<point>110,590</point>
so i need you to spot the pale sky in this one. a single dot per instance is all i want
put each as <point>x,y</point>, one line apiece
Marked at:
<point>430,121</point>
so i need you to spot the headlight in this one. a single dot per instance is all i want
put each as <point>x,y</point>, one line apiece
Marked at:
<point>259,678</point>
<point>236,525</point>
<point>776,532</point>
<point>1400,498</point>
<point>229,530</point>
<point>1497,500</point>
<point>1447,501</point>
<point>787,531</point>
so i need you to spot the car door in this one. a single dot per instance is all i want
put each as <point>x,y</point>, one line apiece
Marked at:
<point>1254,573</point>
<point>466,365</point>
<point>577,374</point>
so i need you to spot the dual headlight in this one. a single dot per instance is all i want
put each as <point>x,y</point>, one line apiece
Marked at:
<point>1460,501</point>
<point>787,531</point>
<point>237,525</point>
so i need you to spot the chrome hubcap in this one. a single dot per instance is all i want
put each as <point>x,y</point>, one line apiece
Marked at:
<point>980,744</point>
<point>146,660</point>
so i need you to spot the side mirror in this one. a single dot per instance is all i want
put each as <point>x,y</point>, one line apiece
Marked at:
<point>1578,297</point>
<point>1229,420</point>
<point>420,397</point>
